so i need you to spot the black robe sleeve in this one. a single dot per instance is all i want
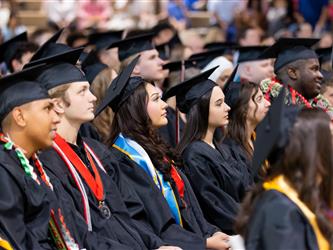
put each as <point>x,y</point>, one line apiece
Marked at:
<point>218,185</point>
<point>158,214</point>
<point>24,207</point>
<point>277,223</point>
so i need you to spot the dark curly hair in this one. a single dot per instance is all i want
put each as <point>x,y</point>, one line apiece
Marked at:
<point>132,120</point>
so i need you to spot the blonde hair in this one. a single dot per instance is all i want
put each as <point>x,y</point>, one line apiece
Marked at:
<point>99,87</point>
<point>60,92</point>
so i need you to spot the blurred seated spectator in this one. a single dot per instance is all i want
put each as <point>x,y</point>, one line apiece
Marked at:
<point>249,36</point>
<point>93,13</point>
<point>76,39</point>
<point>191,39</point>
<point>4,13</point>
<point>13,27</point>
<point>315,12</point>
<point>41,35</point>
<point>178,14</point>
<point>224,11</point>
<point>60,12</point>
<point>304,31</point>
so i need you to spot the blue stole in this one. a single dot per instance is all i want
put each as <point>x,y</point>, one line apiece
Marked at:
<point>137,153</point>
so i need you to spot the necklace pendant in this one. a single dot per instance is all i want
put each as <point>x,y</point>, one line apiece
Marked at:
<point>104,209</point>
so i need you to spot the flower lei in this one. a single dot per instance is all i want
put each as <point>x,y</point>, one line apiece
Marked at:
<point>28,169</point>
<point>271,88</point>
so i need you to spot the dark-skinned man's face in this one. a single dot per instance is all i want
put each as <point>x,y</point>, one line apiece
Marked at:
<point>310,78</point>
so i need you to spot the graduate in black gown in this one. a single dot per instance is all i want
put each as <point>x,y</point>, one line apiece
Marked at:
<point>30,216</point>
<point>248,108</point>
<point>146,164</point>
<point>286,211</point>
<point>53,49</point>
<point>216,178</point>
<point>77,164</point>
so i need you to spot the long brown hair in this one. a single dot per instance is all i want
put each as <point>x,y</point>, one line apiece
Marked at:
<point>238,115</point>
<point>98,87</point>
<point>307,163</point>
<point>132,120</point>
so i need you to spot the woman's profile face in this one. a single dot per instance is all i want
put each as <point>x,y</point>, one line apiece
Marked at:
<point>156,108</point>
<point>258,108</point>
<point>218,109</point>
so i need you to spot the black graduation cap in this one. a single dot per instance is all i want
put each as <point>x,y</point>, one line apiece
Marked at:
<point>65,54</point>
<point>43,51</point>
<point>231,89</point>
<point>61,70</point>
<point>287,50</point>
<point>121,88</point>
<point>189,92</point>
<point>20,88</point>
<point>251,53</point>
<point>103,40</point>
<point>8,48</point>
<point>165,49</point>
<point>92,66</point>
<point>133,45</point>
<point>324,54</point>
<point>177,65</point>
<point>227,46</point>
<point>272,134</point>
<point>203,58</point>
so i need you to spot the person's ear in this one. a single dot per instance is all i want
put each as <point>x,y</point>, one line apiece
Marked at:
<point>58,105</point>
<point>19,116</point>
<point>136,70</point>
<point>293,73</point>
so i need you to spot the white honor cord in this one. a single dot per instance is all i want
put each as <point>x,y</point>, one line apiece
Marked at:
<point>80,185</point>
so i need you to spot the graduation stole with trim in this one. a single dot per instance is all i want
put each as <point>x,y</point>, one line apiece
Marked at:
<point>60,234</point>
<point>5,244</point>
<point>77,168</point>
<point>279,184</point>
<point>137,153</point>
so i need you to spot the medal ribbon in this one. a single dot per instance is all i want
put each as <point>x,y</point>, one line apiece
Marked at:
<point>95,183</point>
<point>136,153</point>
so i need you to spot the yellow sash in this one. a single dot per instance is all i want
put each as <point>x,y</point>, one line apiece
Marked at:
<point>279,184</point>
<point>5,244</point>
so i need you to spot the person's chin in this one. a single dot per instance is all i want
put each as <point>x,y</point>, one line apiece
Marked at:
<point>225,123</point>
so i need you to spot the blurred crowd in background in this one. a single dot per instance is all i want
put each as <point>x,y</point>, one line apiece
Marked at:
<point>198,21</point>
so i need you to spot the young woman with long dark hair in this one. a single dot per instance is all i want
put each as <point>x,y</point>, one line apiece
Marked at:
<point>248,108</point>
<point>147,165</point>
<point>218,180</point>
<point>287,210</point>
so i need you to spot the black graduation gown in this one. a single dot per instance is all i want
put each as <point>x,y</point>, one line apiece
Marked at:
<point>219,182</point>
<point>237,152</point>
<point>120,227</point>
<point>75,221</point>
<point>196,229</point>
<point>277,223</point>
<point>168,132</point>
<point>89,130</point>
<point>24,205</point>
